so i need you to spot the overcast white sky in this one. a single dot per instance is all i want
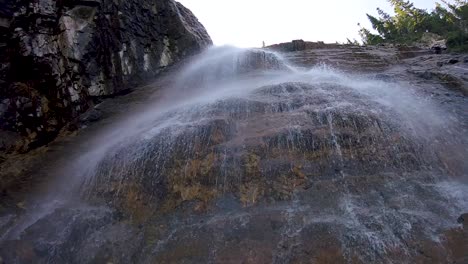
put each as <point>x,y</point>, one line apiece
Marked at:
<point>246,23</point>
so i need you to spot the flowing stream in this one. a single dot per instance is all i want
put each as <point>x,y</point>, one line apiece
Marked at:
<point>245,151</point>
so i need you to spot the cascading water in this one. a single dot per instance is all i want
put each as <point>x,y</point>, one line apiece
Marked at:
<point>245,153</point>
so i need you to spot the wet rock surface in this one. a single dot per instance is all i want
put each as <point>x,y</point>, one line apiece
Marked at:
<point>319,167</point>
<point>451,70</point>
<point>56,57</point>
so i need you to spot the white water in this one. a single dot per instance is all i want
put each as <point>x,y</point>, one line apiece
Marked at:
<point>220,75</point>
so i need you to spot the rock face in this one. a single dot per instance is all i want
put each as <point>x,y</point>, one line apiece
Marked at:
<point>224,64</point>
<point>433,41</point>
<point>300,45</point>
<point>267,165</point>
<point>56,56</point>
<point>447,69</point>
<point>349,58</point>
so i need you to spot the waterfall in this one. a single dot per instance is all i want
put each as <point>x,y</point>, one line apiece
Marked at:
<point>247,134</point>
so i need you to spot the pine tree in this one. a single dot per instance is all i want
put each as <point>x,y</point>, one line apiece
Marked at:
<point>410,23</point>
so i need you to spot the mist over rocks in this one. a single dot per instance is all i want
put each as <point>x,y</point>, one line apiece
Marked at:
<point>340,154</point>
<point>56,56</point>
<point>298,153</point>
<point>236,63</point>
<point>448,69</point>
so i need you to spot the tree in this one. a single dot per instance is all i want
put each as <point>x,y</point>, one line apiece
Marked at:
<point>409,23</point>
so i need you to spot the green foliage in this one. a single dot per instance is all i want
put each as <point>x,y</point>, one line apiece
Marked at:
<point>369,38</point>
<point>354,42</point>
<point>457,41</point>
<point>408,25</point>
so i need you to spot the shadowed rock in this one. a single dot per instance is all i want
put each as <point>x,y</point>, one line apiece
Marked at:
<point>463,219</point>
<point>56,56</point>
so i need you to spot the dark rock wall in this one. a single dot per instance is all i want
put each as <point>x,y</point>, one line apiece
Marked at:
<point>55,56</point>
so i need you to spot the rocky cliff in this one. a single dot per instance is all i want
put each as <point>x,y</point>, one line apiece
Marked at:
<point>57,57</point>
<point>340,154</point>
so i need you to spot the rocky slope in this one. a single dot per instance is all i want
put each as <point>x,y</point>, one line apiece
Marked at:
<point>59,57</point>
<point>359,164</point>
<point>447,69</point>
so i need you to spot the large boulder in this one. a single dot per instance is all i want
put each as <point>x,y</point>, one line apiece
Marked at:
<point>56,56</point>
<point>433,41</point>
